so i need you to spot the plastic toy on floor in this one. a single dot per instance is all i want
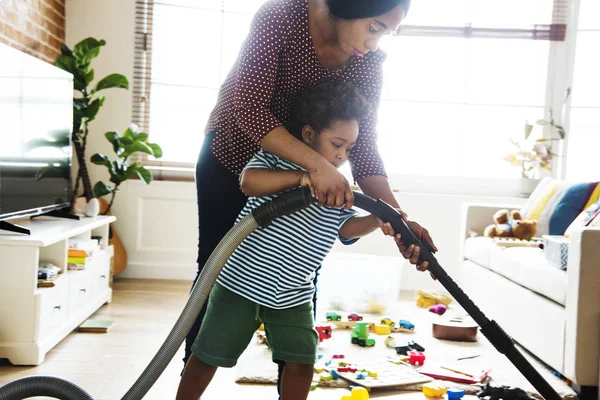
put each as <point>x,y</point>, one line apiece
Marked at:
<point>455,394</point>
<point>357,393</point>
<point>438,309</point>
<point>324,332</point>
<point>427,299</point>
<point>416,357</point>
<point>433,391</point>
<point>360,335</point>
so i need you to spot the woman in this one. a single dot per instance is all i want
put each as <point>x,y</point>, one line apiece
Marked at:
<point>292,45</point>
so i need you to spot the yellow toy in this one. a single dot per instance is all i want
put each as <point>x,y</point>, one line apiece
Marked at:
<point>381,329</point>
<point>358,393</point>
<point>325,376</point>
<point>433,391</point>
<point>386,321</point>
<point>427,299</point>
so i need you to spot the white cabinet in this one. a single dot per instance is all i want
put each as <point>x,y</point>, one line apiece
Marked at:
<point>32,319</point>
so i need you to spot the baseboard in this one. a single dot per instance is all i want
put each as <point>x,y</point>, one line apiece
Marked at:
<point>154,271</point>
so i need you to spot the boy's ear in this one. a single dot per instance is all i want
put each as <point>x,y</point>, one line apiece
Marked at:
<point>308,134</point>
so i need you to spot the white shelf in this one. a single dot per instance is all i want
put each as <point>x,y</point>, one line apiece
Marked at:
<point>49,230</point>
<point>32,319</point>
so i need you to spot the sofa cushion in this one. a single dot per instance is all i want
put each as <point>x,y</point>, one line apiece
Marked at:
<point>525,266</point>
<point>528,267</point>
<point>576,199</point>
<point>478,249</point>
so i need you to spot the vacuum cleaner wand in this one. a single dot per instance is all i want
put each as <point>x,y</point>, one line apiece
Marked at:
<point>490,328</point>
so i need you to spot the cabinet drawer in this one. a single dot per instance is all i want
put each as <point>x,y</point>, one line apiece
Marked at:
<point>80,291</point>
<point>100,274</point>
<point>53,306</point>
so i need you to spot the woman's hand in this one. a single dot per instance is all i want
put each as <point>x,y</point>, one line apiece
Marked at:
<point>330,186</point>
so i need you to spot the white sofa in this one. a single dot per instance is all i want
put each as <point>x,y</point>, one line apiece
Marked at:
<point>554,314</point>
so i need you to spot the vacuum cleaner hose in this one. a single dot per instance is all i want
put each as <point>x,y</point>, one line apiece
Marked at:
<point>262,216</point>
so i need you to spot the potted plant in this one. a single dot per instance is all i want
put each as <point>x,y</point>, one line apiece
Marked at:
<point>534,154</point>
<point>86,103</point>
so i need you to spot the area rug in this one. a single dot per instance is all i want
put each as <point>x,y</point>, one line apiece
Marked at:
<point>255,365</point>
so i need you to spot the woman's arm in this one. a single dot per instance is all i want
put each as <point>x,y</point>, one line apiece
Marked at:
<point>256,76</point>
<point>265,182</point>
<point>330,186</point>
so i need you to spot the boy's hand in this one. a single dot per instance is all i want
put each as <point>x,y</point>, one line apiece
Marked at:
<point>387,230</point>
<point>305,181</point>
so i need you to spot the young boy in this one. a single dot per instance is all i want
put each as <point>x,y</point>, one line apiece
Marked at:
<point>269,277</point>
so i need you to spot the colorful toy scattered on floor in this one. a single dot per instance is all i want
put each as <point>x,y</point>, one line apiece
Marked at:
<point>360,335</point>
<point>427,299</point>
<point>357,393</point>
<point>455,394</point>
<point>355,317</point>
<point>406,324</point>
<point>416,357</point>
<point>324,332</point>
<point>438,309</point>
<point>433,391</point>
<point>333,316</point>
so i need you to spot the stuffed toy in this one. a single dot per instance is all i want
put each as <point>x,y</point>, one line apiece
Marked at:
<point>511,225</point>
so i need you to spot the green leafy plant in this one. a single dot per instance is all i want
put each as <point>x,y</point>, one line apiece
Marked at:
<point>535,154</point>
<point>132,142</point>
<point>87,101</point>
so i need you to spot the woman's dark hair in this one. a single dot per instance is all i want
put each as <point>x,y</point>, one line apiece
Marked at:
<point>356,9</point>
<point>325,103</point>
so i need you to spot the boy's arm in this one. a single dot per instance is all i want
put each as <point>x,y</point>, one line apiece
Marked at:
<point>264,182</point>
<point>357,227</point>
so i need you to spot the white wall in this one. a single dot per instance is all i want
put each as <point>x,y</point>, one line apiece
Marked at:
<point>158,223</point>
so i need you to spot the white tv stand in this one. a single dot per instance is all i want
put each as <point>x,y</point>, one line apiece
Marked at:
<point>32,319</point>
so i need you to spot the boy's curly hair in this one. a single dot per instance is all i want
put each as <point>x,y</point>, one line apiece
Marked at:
<point>325,103</point>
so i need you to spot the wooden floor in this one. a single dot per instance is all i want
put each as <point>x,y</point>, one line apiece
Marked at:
<point>106,365</point>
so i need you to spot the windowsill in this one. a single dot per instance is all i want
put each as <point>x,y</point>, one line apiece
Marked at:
<point>459,186</point>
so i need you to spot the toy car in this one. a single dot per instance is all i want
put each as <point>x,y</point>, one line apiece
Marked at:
<point>355,317</point>
<point>406,324</point>
<point>386,321</point>
<point>333,316</point>
<point>416,357</point>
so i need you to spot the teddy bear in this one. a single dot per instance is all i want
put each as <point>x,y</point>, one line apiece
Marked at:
<point>511,225</point>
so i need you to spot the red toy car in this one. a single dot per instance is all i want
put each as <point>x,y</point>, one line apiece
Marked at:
<point>355,317</point>
<point>324,332</point>
<point>338,356</point>
<point>416,357</point>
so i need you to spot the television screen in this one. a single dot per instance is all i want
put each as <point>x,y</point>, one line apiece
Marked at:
<point>36,116</point>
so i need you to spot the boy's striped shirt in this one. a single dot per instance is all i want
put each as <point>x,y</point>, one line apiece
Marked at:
<point>275,266</point>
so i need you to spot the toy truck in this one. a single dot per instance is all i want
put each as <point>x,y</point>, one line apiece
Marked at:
<point>360,335</point>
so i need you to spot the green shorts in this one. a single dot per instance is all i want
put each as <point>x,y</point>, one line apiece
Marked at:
<point>231,321</point>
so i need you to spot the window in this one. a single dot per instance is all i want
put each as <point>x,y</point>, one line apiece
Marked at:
<point>461,78</point>
<point>584,126</point>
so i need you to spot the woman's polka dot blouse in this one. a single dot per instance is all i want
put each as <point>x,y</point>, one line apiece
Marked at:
<point>276,62</point>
